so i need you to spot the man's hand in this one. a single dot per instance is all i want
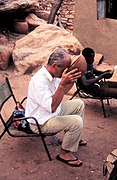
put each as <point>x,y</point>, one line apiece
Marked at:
<point>107,74</point>
<point>67,81</point>
<point>70,77</point>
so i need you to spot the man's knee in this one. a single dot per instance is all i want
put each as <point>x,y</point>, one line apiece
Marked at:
<point>79,106</point>
<point>77,122</point>
<point>81,102</point>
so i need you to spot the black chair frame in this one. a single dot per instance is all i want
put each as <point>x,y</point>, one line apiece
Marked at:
<point>6,87</point>
<point>83,94</point>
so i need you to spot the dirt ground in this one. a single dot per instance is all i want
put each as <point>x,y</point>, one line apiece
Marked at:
<point>25,158</point>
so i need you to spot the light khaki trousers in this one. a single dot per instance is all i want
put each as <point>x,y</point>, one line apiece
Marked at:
<point>69,120</point>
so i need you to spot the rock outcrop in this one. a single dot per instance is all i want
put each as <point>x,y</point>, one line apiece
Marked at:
<point>33,50</point>
<point>10,6</point>
<point>5,55</point>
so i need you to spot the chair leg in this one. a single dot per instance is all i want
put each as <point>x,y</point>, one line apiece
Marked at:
<point>46,148</point>
<point>75,93</point>
<point>104,112</point>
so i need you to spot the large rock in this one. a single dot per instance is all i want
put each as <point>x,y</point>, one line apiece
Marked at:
<point>12,5</point>
<point>5,54</point>
<point>33,50</point>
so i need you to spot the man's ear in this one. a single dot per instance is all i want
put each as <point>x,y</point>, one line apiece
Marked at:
<point>54,65</point>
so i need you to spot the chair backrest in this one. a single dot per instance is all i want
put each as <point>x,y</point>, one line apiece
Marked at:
<point>6,93</point>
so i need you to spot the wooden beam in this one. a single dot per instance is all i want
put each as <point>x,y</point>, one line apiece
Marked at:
<point>54,10</point>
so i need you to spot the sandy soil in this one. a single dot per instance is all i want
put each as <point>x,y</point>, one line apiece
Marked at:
<point>25,158</point>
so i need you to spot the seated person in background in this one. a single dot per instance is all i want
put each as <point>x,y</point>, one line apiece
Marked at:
<point>45,93</point>
<point>91,82</point>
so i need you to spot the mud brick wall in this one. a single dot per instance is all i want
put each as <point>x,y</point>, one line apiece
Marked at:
<point>66,11</point>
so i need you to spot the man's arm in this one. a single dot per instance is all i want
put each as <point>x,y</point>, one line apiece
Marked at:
<point>88,82</point>
<point>98,73</point>
<point>66,83</point>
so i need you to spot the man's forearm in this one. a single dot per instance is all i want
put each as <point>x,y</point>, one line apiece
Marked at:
<point>68,87</point>
<point>90,82</point>
<point>57,97</point>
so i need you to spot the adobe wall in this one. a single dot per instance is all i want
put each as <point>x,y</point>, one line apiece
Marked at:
<point>98,34</point>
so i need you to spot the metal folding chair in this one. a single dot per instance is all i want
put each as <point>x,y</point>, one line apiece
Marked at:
<point>83,94</point>
<point>7,94</point>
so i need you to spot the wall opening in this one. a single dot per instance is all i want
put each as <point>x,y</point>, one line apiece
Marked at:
<point>107,9</point>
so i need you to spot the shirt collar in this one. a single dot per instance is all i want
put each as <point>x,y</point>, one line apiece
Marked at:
<point>49,76</point>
